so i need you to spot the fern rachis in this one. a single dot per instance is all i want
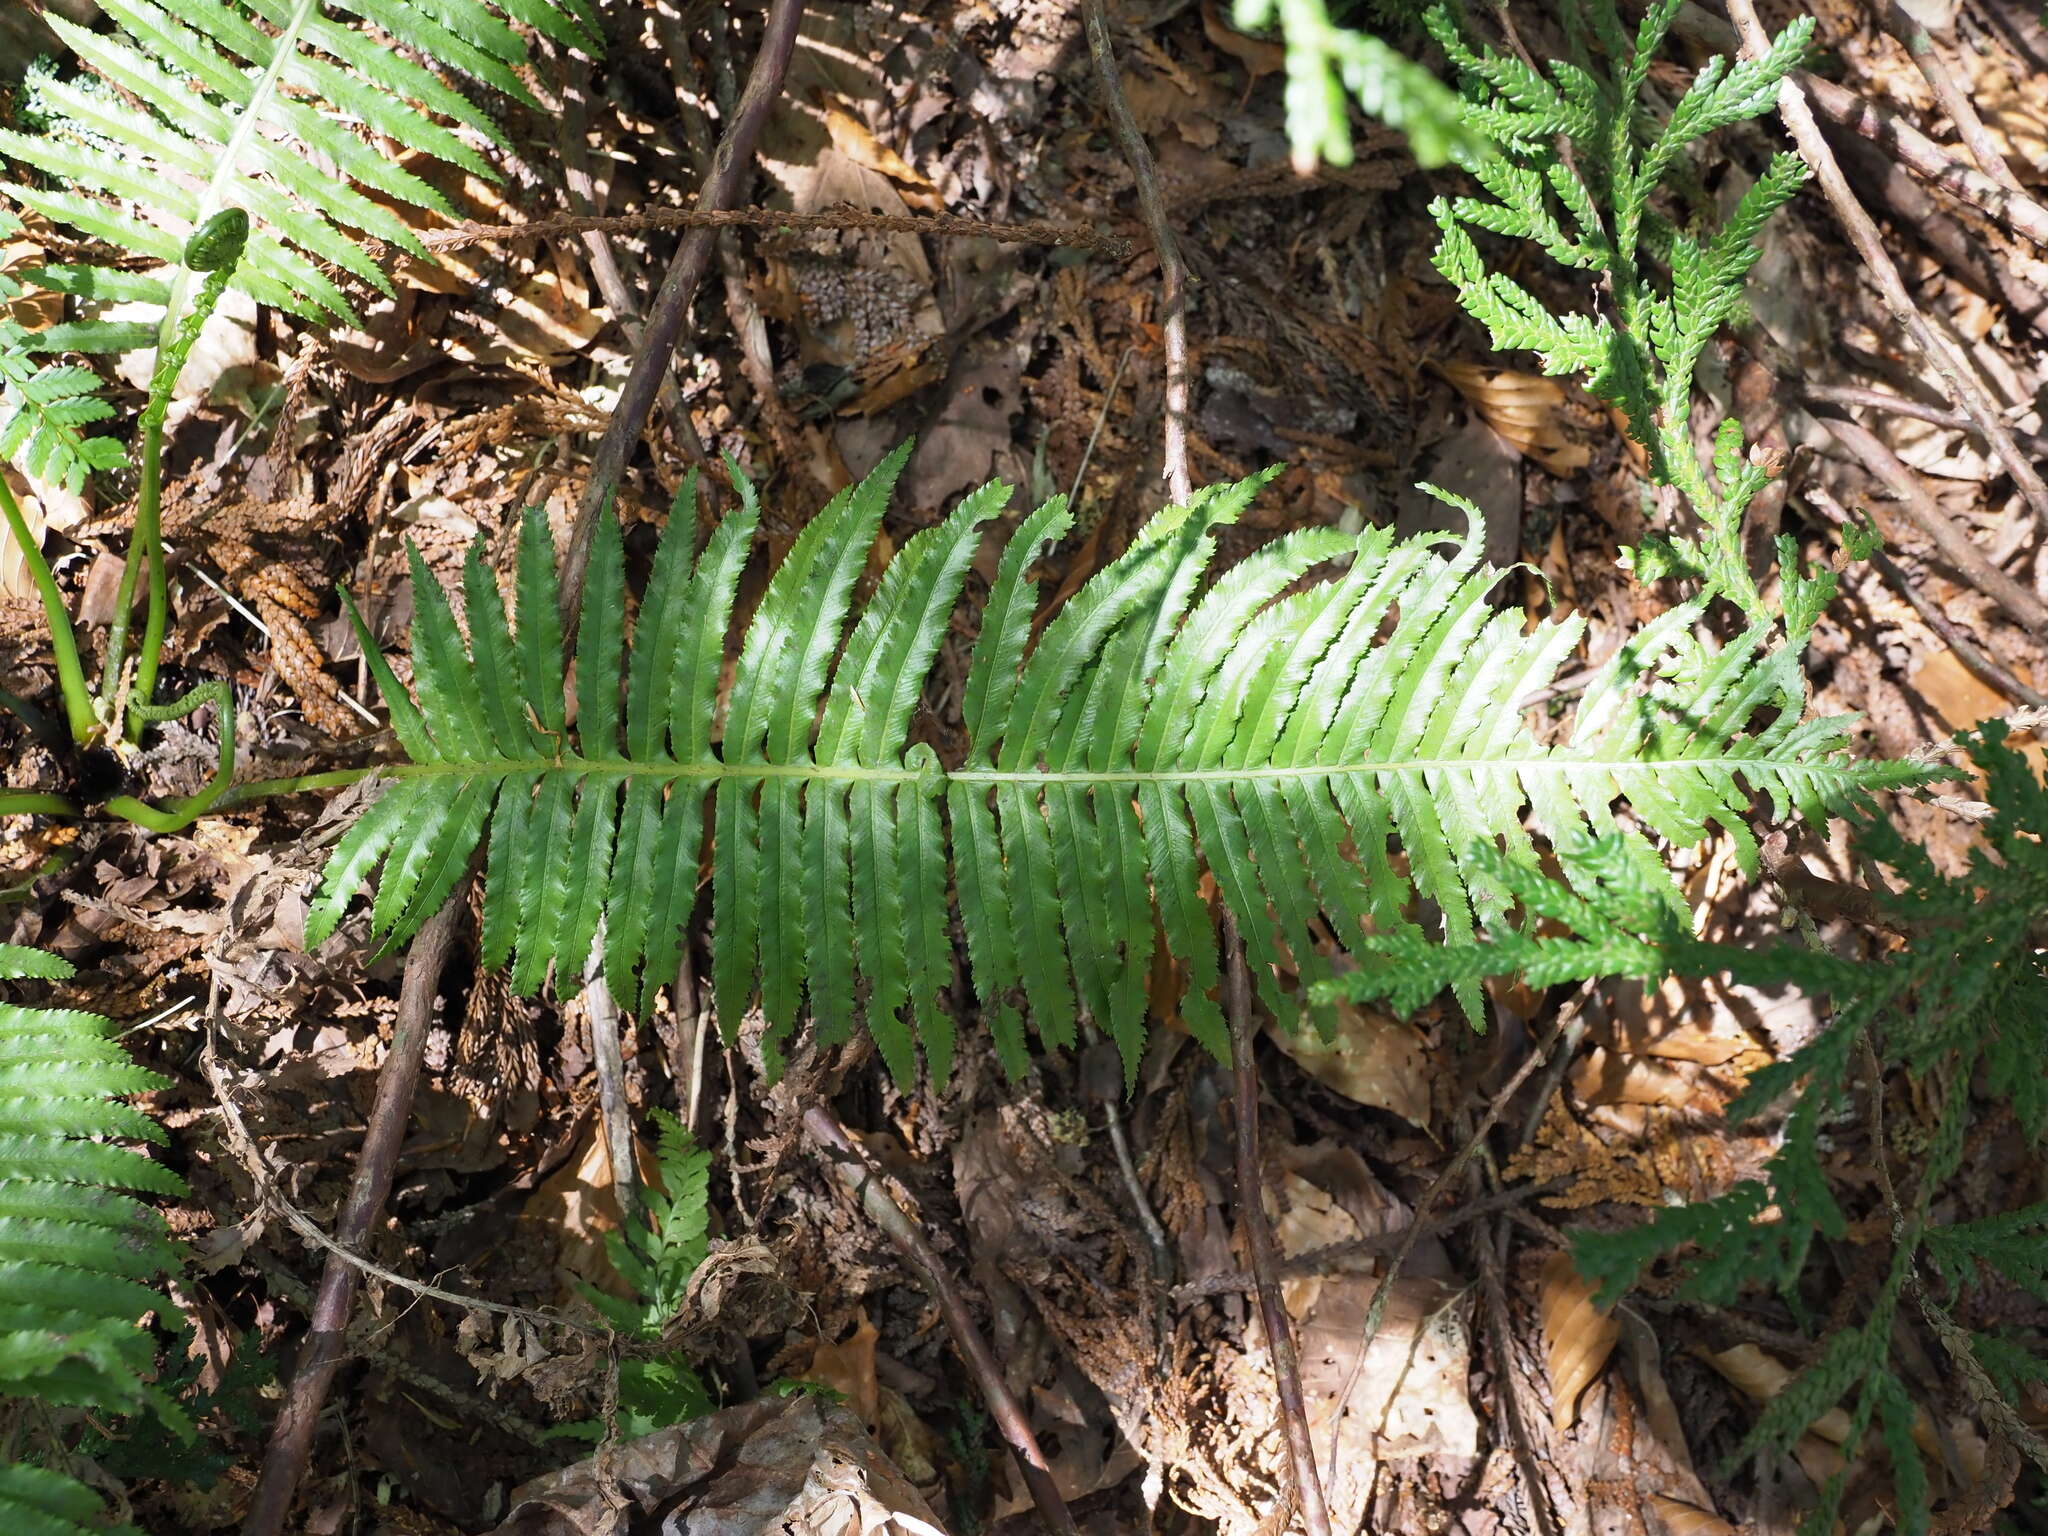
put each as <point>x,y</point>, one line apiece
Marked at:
<point>1277,736</point>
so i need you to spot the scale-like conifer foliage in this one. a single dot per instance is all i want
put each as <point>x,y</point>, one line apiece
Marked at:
<point>1330,752</point>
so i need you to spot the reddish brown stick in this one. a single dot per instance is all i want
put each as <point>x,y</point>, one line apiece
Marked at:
<point>862,1182</point>
<point>1265,1253</point>
<point>732,167</point>
<point>291,1437</point>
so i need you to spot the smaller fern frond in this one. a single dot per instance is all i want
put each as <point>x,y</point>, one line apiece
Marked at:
<point>195,106</point>
<point>80,1257</point>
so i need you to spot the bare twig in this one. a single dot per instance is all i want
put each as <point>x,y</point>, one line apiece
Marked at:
<point>1507,1392</point>
<point>1172,275</point>
<point>865,1185</point>
<point>1901,405</point>
<point>274,1199</point>
<point>1958,377</point>
<point>1919,42</point>
<point>1375,1314</point>
<point>587,202</point>
<point>1978,662</point>
<point>1955,546</point>
<point>291,1437</point>
<point>1900,139</point>
<point>1265,1253</point>
<point>732,167</point>
<point>935,225</point>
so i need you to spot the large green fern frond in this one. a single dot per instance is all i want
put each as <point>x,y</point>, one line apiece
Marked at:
<point>80,1257</point>
<point>1329,752</point>
<point>195,106</point>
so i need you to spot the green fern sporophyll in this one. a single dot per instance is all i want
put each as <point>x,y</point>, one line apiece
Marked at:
<point>1331,751</point>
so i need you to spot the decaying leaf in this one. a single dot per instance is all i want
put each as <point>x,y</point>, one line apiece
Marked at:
<point>1525,409</point>
<point>1577,1337</point>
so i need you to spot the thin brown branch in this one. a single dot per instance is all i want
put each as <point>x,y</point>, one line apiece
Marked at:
<point>1906,144</point>
<point>1507,1390</point>
<point>1265,1253</point>
<point>614,1113</point>
<point>586,198</point>
<point>1920,44</point>
<point>1955,546</point>
<point>1976,661</point>
<point>865,1185</point>
<point>291,1437</point>
<point>1900,405</point>
<point>938,226</point>
<point>1172,274</point>
<point>1959,379</point>
<point>732,167</point>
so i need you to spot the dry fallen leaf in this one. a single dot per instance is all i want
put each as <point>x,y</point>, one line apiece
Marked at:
<point>852,138</point>
<point>1259,56</point>
<point>848,1368</point>
<point>1577,1337</point>
<point>1760,1378</point>
<point>1681,1519</point>
<point>1525,409</point>
<point>1371,1059</point>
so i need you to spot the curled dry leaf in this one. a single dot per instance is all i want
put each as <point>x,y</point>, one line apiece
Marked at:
<point>1577,1337</point>
<point>1760,1378</point>
<point>1524,408</point>
<point>1682,1519</point>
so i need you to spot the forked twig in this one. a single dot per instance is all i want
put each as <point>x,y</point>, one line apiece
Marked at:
<point>864,1184</point>
<point>1265,1254</point>
<point>1172,274</point>
<point>1958,377</point>
<point>291,1437</point>
<point>1919,42</point>
<point>731,168</point>
<point>1954,545</point>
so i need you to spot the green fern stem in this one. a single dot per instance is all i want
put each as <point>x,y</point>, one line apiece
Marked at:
<point>28,803</point>
<point>63,643</point>
<point>180,814</point>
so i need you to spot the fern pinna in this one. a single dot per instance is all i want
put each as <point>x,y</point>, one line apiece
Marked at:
<point>79,1256</point>
<point>1328,752</point>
